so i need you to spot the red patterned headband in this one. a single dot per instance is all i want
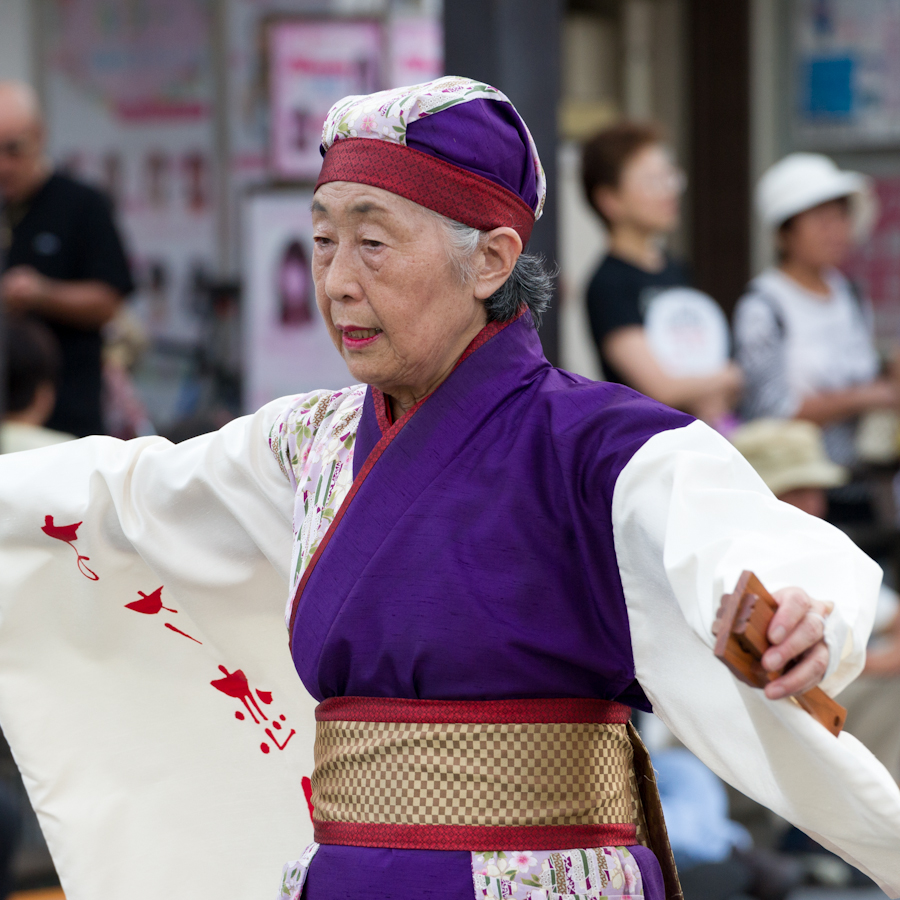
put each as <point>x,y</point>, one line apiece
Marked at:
<point>428,181</point>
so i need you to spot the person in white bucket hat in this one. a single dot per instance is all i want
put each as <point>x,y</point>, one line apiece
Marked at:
<point>802,334</point>
<point>803,181</point>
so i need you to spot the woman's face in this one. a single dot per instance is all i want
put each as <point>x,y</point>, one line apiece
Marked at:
<point>819,237</point>
<point>649,192</point>
<point>812,500</point>
<point>386,288</point>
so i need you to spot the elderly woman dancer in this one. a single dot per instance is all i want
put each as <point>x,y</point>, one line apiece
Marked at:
<point>493,561</point>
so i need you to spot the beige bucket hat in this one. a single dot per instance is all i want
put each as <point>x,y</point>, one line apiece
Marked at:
<point>788,454</point>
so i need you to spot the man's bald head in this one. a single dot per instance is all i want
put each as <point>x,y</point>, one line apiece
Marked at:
<point>20,100</point>
<point>23,167</point>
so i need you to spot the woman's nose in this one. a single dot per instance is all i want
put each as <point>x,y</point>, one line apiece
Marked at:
<point>341,277</point>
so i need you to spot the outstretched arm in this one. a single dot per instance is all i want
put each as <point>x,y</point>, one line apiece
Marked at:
<point>131,574</point>
<point>689,516</point>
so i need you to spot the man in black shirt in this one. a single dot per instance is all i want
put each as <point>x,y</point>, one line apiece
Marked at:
<point>63,259</point>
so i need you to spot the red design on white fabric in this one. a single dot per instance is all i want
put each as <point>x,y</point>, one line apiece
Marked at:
<point>151,604</point>
<point>236,685</point>
<point>182,633</point>
<point>306,784</point>
<point>68,534</point>
<point>275,739</point>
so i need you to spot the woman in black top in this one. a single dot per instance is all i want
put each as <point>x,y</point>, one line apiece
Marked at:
<point>633,186</point>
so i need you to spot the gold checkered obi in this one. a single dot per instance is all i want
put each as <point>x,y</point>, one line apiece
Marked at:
<point>480,775</point>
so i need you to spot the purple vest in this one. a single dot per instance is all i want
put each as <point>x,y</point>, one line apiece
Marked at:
<point>476,561</point>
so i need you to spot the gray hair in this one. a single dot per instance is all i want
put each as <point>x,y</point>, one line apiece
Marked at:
<point>529,282</point>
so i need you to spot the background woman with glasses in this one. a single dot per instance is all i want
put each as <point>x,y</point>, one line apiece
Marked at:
<point>633,185</point>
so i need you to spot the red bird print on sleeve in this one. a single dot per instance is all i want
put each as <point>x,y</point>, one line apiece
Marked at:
<point>68,534</point>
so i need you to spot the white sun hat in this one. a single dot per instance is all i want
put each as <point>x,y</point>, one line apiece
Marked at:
<point>801,181</point>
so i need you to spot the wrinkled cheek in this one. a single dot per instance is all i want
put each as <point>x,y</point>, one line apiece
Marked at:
<point>322,300</point>
<point>324,306</point>
<point>333,334</point>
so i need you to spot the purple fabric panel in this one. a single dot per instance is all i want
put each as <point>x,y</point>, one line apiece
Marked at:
<point>485,527</point>
<point>367,435</point>
<point>354,873</point>
<point>651,874</point>
<point>477,562</point>
<point>484,137</point>
<point>342,873</point>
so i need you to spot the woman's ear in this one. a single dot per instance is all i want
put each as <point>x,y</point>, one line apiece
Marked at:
<point>497,258</point>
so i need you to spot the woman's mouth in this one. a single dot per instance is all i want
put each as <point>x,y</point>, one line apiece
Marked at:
<point>354,338</point>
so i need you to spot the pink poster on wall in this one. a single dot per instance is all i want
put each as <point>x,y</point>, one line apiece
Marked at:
<point>128,91</point>
<point>416,50</point>
<point>313,64</point>
<point>145,61</point>
<point>287,348</point>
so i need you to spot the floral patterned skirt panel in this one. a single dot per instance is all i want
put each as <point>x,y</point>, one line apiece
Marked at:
<point>334,872</point>
<point>587,874</point>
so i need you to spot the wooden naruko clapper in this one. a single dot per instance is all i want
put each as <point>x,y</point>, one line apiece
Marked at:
<point>741,626</point>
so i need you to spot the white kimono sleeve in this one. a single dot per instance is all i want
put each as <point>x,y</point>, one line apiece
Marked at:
<point>149,780</point>
<point>689,514</point>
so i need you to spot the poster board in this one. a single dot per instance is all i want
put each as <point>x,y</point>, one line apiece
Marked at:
<point>129,108</point>
<point>414,46</point>
<point>415,50</point>
<point>287,349</point>
<point>846,73</point>
<point>314,63</point>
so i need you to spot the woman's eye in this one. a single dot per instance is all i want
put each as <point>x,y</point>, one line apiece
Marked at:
<point>373,244</point>
<point>321,241</point>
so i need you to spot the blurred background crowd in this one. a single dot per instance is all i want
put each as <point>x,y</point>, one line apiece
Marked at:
<point>723,213</point>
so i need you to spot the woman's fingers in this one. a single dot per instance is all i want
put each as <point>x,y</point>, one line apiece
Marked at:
<point>807,633</point>
<point>808,672</point>
<point>796,632</point>
<point>793,605</point>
